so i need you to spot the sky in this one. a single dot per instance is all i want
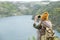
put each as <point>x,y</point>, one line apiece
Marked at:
<point>29,0</point>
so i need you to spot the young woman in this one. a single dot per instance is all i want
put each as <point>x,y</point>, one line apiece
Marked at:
<point>44,26</point>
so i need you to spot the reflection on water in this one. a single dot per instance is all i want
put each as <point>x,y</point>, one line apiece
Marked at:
<point>17,28</point>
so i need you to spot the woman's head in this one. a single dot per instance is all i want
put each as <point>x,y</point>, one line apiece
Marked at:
<point>44,16</point>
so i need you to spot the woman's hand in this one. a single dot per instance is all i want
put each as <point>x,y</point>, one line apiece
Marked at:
<point>35,19</point>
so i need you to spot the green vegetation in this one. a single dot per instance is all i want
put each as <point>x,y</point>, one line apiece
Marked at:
<point>56,38</point>
<point>32,38</point>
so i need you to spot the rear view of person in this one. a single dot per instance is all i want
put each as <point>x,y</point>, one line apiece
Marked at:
<point>44,27</point>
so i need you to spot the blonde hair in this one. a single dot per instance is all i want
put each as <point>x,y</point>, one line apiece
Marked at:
<point>44,16</point>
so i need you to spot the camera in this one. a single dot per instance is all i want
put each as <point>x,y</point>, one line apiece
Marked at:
<point>39,16</point>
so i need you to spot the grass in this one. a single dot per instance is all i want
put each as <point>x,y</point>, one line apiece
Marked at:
<point>34,38</point>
